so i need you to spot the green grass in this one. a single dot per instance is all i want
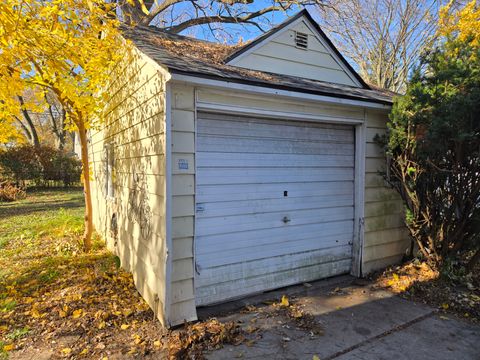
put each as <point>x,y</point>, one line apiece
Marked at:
<point>45,278</point>
<point>3,354</point>
<point>43,213</point>
<point>18,333</point>
<point>37,235</point>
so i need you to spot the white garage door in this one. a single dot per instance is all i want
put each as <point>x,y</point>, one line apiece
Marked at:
<point>274,204</point>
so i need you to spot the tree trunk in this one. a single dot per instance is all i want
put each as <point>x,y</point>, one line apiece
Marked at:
<point>28,119</point>
<point>87,236</point>
<point>27,133</point>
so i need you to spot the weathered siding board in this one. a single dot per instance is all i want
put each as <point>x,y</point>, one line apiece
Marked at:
<point>280,55</point>
<point>135,128</point>
<point>386,238</point>
<point>182,298</point>
<point>273,103</point>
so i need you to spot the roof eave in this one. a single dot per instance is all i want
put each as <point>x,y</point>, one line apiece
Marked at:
<point>262,84</point>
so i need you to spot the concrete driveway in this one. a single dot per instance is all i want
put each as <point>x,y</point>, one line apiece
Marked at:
<point>358,321</point>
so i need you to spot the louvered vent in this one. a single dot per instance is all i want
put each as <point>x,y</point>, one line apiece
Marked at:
<point>301,40</point>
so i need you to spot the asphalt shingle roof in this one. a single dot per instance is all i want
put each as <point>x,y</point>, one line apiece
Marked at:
<point>184,55</point>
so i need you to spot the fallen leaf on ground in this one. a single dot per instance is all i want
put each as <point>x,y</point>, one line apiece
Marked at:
<point>8,347</point>
<point>77,313</point>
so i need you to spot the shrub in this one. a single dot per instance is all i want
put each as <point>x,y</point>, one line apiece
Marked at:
<point>20,163</point>
<point>11,192</point>
<point>39,164</point>
<point>433,145</point>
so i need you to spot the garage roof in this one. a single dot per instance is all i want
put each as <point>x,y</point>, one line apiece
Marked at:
<point>188,56</point>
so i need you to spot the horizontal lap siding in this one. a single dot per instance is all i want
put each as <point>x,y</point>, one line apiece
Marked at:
<point>242,244</point>
<point>135,127</point>
<point>386,238</point>
<point>182,297</point>
<point>280,55</point>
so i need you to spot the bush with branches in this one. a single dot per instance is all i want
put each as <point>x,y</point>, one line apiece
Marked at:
<point>39,164</point>
<point>433,144</point>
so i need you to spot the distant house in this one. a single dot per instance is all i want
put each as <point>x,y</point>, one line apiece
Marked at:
<point>224,171</point>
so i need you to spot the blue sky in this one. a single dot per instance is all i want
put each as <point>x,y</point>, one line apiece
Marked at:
<point>232,33</point>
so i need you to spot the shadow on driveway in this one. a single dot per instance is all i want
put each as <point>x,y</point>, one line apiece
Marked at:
<point>359,322</point>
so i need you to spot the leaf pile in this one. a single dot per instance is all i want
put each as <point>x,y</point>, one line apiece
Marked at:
<point>191,341</point>
<point>189,49</point>
<point>399,279</point>
<point>417,281</point>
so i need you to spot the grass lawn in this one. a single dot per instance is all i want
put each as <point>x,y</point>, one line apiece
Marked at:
<point>58,300</point>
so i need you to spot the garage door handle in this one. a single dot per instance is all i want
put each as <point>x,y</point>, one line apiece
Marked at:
<point>286,219</point>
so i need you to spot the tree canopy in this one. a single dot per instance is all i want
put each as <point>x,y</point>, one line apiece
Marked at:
<point>64,48</point>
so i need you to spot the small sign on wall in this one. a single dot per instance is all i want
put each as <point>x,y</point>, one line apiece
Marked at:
<point>182,164</point>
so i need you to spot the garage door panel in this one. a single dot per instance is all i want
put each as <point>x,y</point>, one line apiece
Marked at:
<point>279,130</point>
<point>229,224</point>
<point>257,206</point>
<point>282,247</point>
<point>215,176</point>
<point>246,160</point>
<point>245,239</point>
<point>272,146</point>
<point>260,267</point>
<point>213,294</point>
<point>274,204</point>
<point>239,192</point>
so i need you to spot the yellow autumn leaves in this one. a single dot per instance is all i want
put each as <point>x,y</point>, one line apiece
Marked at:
<point>67,47</point>
<point>465,23</point>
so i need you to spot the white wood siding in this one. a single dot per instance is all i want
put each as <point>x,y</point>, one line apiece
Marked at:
<point>280,55</point>
<point>244,167</point>
<point>386,237</point>
<point>135,127</point>
<point>182,295</point>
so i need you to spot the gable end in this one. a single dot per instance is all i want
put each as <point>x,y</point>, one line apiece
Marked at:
<point>297,47</point>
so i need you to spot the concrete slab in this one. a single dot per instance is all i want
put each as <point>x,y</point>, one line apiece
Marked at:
<point>359,322</point>
<point>433,338</point>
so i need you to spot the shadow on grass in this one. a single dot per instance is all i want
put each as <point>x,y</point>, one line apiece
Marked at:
<point>42,200</point>
<point>51,269</point>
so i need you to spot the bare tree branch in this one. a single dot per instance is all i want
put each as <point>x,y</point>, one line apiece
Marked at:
<point>385,38</point>
<point>225,19</point>
<point>28,119</point>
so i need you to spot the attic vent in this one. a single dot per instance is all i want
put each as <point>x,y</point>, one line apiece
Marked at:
<point>301,40</point>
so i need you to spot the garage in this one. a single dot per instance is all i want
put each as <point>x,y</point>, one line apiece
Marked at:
<point>253,167</point>
<point>274,204</point>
